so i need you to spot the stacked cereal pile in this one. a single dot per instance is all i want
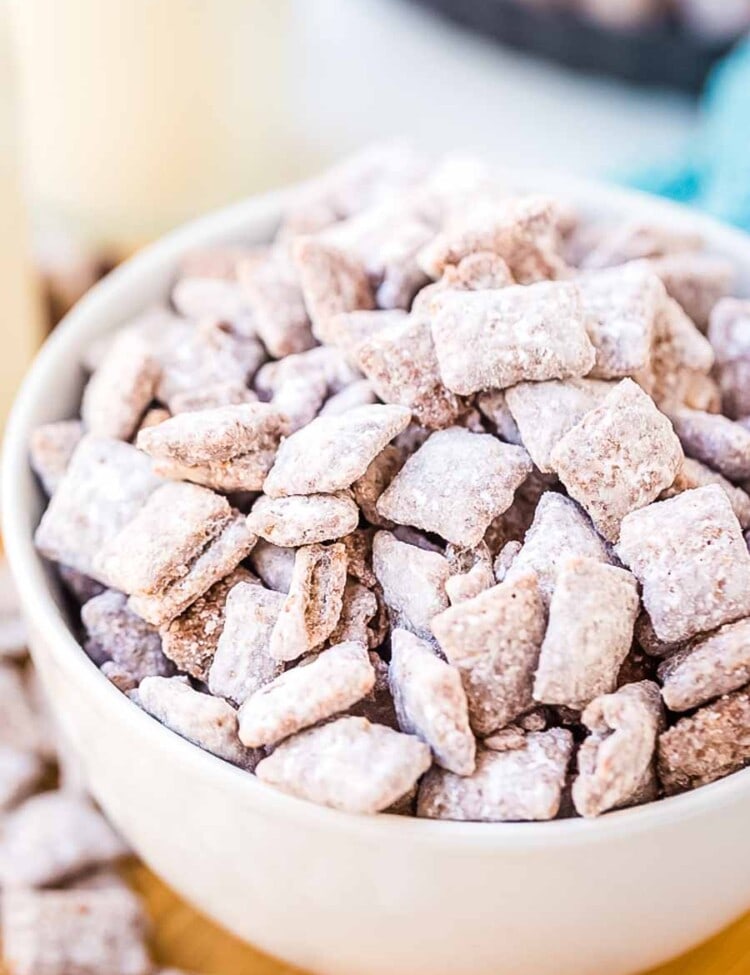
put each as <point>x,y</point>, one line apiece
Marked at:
<point>64,907</point>
<point>429,506</point>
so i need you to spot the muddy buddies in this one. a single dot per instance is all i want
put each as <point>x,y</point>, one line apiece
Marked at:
<point>433,505</point>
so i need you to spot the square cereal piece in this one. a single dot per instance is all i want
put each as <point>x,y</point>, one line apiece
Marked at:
<point>220,557</point>
<point>621,305</point>
<point>714,439</point>
<point>706,746</point>
<point>20,775</point>
<point>708,667</point>
<point>117,395</point>
<point>232,447</point>
<point>118,634</point>
<point>363,617</point>
<point>697,281</point>
<point>50,448</point>
<point>54,836</point>
<point>561,529</point>
<point>206,721</point>
<point>523,230</point>
<point>430,702</point>
<point>413,582</point>
<point>455,484</point>
<point>689,555</point>
<point>229,393</point>
<point>616,761</point>
<point>332,282</point>
<point>303,519</point>
<point>313,605</point>
<point>350,330</point>
<point>494,640</point>
<point>514,785</point>
<point>618,458</point>
<point>694,474</point>
<point>359,393</point>
<point>347,764</point>
<point>330,453</point>
<point>495,339</point>
<point>172,528</point>
<point>191,639</point>
<point>197,297</point>
<point>367,489</point>
<point>591,617</point>
<point>242,663</point>
<point>272,291</point>
<point>74,932</point>
<point>327,684</point>
<point>401,364</point>
<point>105,485</point>
<point>545,412</point>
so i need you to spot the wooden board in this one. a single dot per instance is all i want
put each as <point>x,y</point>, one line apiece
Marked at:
<point>186,939</point>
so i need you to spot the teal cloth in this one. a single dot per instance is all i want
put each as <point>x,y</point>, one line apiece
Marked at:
<point>714,172</point>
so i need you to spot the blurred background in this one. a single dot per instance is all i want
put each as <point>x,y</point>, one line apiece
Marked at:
<point>121,118</point>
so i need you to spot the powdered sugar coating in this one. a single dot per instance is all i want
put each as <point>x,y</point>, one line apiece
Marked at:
<point>50,448</point>
<point>517,784</point>
<point>708,667</point>
<point>413,582</point>
<point>430,702</point>
<point>689,555</point>
<point>616,761</point>
<point>367,489</point>
<point>325,685</point>
<point>494,640</point>
<point>122,636</point>
<point>330,453</point>
<point>123,385</point>
<point>716,440</point>
<point>694,474</point>
<point>303,519</point>
<point>455,484</point>
<point>360,621</point>
<point>348,764</point>
<point>591,617</point>
<point>272,292</point>
<point>618,458</point>
<point>242,662</point>
<point>495,339</point>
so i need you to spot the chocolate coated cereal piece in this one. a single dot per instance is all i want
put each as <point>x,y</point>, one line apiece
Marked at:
<point>413,582</point>
<point>303,519</point>
<point>359,393</point>
<point>637,240</point>
<point>430,702</point>
<point>649,642</point>
<point>517,784</point>
<point>199,297</point>
<point>367,489</point>
<point>328,684</point>
<point>53,836</point>
<point>494,641</point>
<point>590,631</point>
<point>217,560</point>
<point>228,393</point>
<point>50,448</point>
<point>472,572</point>
<point>708,667</point>
<point>455,484</point>
<point>359,617</point>
<point>348,764</point>
<point>242,662</point>
<point>689,555</point>
<point>206,721</point>
<point>618,458</point>
<point>616,761</point>
<point>20,774</point>
<point>74,932</point>
<point>122,387</point>
<point>358,548</point>
<point>333,451</point>
<point>191,639</point>
<point>694,474</point>
<point>697,281</point>
<point>494,407</point>
<point>332,282</point>
<point>714,439</point>
<point>273,565</point>
<point>120,676</point>
<point>313,606</point>
<point>495,339</point>
<point>121,636</point>
<point>172,528</point>
<point>707,745</point>
<point>401,364</point>
<point>273,293</point>
<point>545,412</point>
<point>105,485</point>
<point>350,330</point>
<point>522,230</point>
<point>622,305</point>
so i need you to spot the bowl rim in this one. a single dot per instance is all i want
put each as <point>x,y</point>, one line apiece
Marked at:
<point>93,314</point>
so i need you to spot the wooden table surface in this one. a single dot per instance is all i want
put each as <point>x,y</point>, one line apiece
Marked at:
<point>186,939</point>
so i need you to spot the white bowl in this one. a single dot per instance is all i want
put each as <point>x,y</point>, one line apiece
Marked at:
<point>347,895</point>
